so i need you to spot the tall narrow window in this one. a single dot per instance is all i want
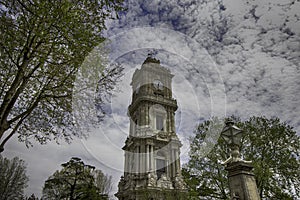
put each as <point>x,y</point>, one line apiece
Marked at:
<point>160,167</point>
<point>161,164</point>
<point>159,122</point>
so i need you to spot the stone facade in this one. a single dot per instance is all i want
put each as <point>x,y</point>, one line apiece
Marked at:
<point>242,182</point>
<point>152,165</point>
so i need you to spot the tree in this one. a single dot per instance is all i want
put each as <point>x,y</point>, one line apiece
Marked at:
<point>102,181</point>
<point>274,148</point>
<point>13,178</point>
<point>42,45</point>
<point>32,197</point>
<point>203,173</point>
<point>77,181</point>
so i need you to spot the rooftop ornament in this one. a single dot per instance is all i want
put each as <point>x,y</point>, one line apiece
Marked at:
<point>150,59</point>
<point>233,136</point>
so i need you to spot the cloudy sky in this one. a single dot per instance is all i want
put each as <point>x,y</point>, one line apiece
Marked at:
<point>228,57</point>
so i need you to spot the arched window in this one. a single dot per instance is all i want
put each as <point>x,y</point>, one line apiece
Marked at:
<point>159,122</point>
<point>158,117</point>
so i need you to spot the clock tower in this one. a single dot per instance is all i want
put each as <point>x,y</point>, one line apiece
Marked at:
<point>152,164</point>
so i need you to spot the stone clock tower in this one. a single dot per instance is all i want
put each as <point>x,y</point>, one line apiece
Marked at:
<point>152,165</point>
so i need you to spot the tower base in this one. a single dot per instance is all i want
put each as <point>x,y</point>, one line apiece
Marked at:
<point>152,194</point>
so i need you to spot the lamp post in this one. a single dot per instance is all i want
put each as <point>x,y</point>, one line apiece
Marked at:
<point>241,180</point>
<point>232,136</point>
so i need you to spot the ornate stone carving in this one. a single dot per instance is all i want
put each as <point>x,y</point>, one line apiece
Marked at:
<point>152,178</point>
<point>164,182</point>
<point>129,182</point>
<point>163,135</point>
<point>179,182</point>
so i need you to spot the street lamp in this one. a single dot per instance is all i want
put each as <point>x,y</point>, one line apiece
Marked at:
<point>232,136</point>
<point>242,184</point>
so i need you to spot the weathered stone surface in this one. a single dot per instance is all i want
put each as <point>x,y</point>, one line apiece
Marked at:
<point>152,149</point>
<point>241,180</point>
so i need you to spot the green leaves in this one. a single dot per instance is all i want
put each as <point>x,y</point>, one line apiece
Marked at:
<point>13,178</point>
<point>273,147</point>
<point>42,45</point>
<point>77,180</point>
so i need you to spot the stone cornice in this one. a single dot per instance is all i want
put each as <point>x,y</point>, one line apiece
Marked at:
<point>155,99</point>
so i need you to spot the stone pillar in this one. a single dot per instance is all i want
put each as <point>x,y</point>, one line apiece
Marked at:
<point>126,162</point>
<point>172,123</point>
<point>169,120</point>
<point>152,159</point>
<point>177,163</point>
<point>129,162</point>
<point>143,116</point>
<point>174,163</point>
<point>146,114</point>
<point>241,180</point>
<point>142,159</point>
<point>136,160</point>
<point>147,153</point>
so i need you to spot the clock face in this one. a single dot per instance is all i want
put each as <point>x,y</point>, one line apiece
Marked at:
<point>158,84</point>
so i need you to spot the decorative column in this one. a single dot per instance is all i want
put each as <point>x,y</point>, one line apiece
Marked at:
<point>177,163</point>
<point>142,159</point>
<point>174,162</point>
<point>126,162</point>
<point>147,158</point>
<point>152,159</point>
<point>146,114</point>
<point>241,179</point>
<point>136,160</point>
<point>129,161</point>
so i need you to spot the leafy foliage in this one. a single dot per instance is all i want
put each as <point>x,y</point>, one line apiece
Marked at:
<point>32,197</point>
<point>204,174</point>
<point>77,181</point>
<point>42,45</point>
<point>274,148</point>
<point>102,181</point>
<point>13,178</point>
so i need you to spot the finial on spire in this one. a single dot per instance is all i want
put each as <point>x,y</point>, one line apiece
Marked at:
<point>151,57</point>
<point>152,53</point>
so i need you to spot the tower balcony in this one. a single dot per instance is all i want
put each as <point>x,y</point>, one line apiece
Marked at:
<point>153,99</point>
<point>148,132</point>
